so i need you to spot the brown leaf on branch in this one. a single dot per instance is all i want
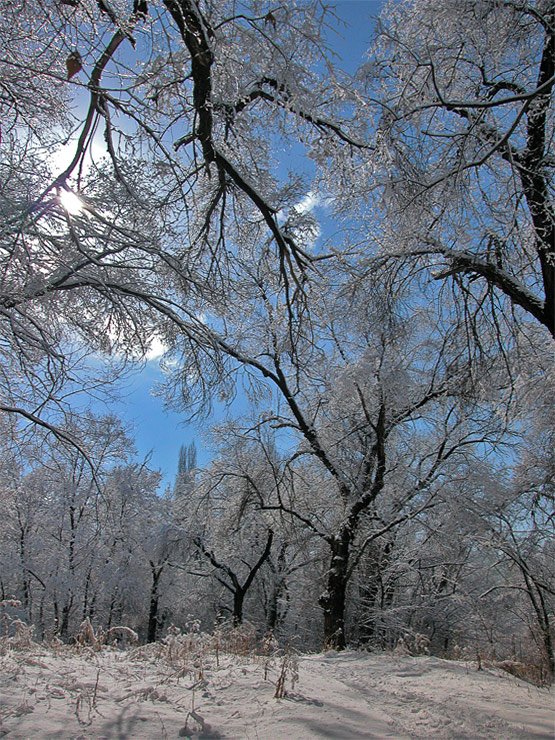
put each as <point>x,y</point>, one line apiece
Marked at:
<point>270,18</point>
<point>73,64</point>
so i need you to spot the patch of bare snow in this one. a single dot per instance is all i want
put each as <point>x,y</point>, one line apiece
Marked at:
<point>140,694</point>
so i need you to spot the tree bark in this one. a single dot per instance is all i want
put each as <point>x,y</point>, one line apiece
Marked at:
<point>333,599</point>
<point>154,599</point>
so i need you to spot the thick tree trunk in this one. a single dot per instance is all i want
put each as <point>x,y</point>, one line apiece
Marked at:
<point>275,615</point>
<point>278,589</point>
<point>154,599</point>
<point>332,602</point>
<point>66,611</point>
<point>238,601</point>
<point>272,610</point>
<point>544,622</point>
<point>152,617</point>
<point>333,599</point>
<point>549,652</point>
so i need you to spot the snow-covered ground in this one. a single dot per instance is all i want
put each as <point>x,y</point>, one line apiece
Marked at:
<point>152,693</point>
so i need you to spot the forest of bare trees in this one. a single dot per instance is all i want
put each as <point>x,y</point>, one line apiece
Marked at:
<point>366,261</point>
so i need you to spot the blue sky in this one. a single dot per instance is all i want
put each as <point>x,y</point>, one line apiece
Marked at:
<point>159,432</point>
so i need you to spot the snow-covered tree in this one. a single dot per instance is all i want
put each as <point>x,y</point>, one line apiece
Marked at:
<point>377,407</point>
<point>186,468</point>
<point>73,535</point>
<point>136,161</point>
<point>255,552</point>
<point>464,123</point>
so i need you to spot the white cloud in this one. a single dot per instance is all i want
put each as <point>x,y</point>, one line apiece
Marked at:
<point>309,202</point>
<point>156,349</point>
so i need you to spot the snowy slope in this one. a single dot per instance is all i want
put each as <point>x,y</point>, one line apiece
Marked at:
<point>143,693</point>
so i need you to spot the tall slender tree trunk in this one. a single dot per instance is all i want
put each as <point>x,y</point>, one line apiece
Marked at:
<point>26,584</point>
<point>87,612</point>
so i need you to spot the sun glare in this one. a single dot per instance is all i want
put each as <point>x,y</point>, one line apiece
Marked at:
<point>70,202</point>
